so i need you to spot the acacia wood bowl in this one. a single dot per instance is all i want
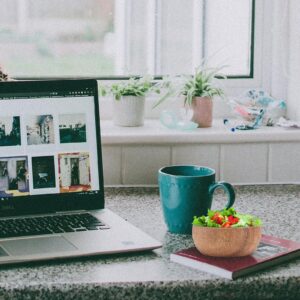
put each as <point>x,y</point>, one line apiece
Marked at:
<point>226,242</point>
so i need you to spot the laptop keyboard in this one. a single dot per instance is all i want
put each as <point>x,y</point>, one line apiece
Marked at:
<point>50,225</point>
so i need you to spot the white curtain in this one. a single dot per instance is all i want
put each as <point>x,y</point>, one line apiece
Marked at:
<point>293,89</point>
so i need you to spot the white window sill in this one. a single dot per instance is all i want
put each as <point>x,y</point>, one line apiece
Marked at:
<point>132,156</point>
<point>153,132</point>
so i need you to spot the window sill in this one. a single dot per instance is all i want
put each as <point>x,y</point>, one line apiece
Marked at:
<point>153,132</point>
<point>267,155</point>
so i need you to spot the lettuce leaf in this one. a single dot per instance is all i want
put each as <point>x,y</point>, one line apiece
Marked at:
<point>245,220</point>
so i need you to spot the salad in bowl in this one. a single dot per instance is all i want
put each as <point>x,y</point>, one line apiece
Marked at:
<point>226,233</point>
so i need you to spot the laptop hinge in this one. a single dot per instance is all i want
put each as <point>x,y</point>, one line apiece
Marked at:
<point>70,211</point>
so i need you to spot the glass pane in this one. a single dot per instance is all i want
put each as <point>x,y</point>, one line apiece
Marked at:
<point>137,35</point>
<point>56,38</point>
<point>176,40</point>
<point>228,35</point>
<point>48,38</point>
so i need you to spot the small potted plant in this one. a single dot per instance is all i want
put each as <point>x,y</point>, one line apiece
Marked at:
<point>198,91</point>
<point>226,233</point>
<point>129,100</point>
<point>3,75</point>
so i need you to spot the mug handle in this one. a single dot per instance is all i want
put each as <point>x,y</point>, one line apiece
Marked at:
<point>227,187</point>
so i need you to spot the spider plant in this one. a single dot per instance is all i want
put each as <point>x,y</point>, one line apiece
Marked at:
<point>131,87</point>
<point>201,84</point>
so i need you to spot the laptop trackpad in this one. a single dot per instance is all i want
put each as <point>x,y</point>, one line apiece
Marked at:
<point>40,245</point>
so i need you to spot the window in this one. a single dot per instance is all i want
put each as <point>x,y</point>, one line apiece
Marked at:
<point>44,38</point>
<point>105,38</point>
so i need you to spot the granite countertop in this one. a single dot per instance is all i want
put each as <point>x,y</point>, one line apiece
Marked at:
<point>151,275</point>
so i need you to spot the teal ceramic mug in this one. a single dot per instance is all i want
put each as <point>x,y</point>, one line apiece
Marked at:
<point>187,191</point>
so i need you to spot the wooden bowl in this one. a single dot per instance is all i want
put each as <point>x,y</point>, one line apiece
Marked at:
<point>226,242</point>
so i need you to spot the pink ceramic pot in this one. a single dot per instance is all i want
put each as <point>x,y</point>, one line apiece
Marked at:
<point>203,108</point>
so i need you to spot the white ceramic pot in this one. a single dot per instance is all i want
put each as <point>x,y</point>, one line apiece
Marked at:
<point>129,111</point>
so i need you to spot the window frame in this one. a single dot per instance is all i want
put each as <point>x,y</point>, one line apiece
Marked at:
<point>261,64</point>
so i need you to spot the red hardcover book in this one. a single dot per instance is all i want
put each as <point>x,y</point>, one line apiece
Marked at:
<point>271,251</point>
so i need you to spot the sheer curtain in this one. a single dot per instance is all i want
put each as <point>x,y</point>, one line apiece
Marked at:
<point>293,90</point>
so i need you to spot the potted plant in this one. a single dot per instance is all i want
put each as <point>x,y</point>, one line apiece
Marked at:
<point>129,100</point>
<point>3,76</point>
<point>198,91</point>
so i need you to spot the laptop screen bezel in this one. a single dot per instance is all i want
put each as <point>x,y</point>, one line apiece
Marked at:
<point>49,203</point>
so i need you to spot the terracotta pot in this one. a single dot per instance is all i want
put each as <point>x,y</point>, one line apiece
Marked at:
<point>203,109</point>
<point>226,242</point>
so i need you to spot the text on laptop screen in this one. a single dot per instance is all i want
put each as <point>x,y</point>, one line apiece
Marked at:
<point>48,143</point>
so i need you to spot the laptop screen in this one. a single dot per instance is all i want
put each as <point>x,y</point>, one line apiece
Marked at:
<point>50,149</point>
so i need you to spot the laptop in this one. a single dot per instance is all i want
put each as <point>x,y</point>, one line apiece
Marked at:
<point>51,175</point>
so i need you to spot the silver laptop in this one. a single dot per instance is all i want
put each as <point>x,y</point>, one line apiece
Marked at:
<point>51,178</point>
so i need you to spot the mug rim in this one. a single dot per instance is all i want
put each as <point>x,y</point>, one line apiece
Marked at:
<point>161,171</point>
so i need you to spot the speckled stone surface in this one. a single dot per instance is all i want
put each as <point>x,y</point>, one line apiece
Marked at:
<point>151,275</point>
